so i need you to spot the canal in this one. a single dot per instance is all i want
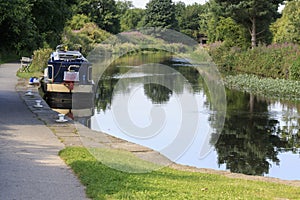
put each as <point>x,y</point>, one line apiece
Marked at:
<point>259,136</point>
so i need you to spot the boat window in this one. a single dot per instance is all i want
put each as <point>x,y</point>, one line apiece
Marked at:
<point>50,72</point>
<point>90,74</point>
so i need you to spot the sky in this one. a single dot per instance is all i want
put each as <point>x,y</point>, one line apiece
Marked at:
<point>142,3</point>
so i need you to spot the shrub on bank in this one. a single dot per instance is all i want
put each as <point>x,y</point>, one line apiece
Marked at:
<point>87,37</point>
<point>40,60</point>
<point>274,60</point>
<point>295,70</point>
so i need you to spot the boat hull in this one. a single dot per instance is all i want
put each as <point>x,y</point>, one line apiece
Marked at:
<point>60,96</point>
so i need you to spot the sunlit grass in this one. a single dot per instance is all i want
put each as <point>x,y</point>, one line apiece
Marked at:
<point>122,160</point>
<point>103,182</point>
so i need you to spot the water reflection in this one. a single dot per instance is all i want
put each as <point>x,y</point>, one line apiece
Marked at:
<point>258,133</point>
<point>251,138</point>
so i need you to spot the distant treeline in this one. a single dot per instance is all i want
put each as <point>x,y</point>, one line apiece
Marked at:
<point>28,25</point>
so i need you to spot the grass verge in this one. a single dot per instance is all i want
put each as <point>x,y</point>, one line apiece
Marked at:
<point>103,182</point>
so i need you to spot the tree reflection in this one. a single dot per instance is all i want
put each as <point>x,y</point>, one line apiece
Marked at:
<point>290,129</point>
<point>250,138</point>
<point>157,93</point>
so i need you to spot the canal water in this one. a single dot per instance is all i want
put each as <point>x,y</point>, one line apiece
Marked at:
<point>260,136</point>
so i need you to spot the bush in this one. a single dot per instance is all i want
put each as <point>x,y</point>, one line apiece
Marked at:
<point>40,60</point>
<point>87,37</point>
<point>267,61</point>
<point>295,70</point>
<point>78,21</point>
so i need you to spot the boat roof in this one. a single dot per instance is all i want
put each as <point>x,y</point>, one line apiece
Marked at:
<point>59,55</point>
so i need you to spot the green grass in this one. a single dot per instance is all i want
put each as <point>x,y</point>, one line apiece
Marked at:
<point>103,182</point>
<point>122,160</point>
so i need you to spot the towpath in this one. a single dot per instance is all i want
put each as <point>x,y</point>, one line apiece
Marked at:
<point>30,167</point>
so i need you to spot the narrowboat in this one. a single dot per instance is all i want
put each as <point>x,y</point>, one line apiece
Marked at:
<point>67,80</point>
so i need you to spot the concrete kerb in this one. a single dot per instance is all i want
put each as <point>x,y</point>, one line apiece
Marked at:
<point>65,132</point>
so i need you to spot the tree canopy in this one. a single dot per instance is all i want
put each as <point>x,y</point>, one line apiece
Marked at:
<point>188,18</point>
<point>17,29</point>
<point>26,25</point>
<point>255,15</point>
<point>160,13</point>
<point>103,12</point>
<point>132,19</point>
<point>286,28</point>
<point>50,17</point>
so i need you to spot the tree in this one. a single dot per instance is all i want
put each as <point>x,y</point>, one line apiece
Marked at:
<point>87,37</point>
<point>230,33</point>
<point>50,17</point>
<point>78,21</point>
<point>26,25</point>
<point>131,19</point>
<point>180,8</point>
<point>160,13</point>
<point>255,15</point>
<point>103,12</point>
<point>188,19</point>
<point>17,30</point>
<point>123,6</point>
<point>209,19</point>
<point>286,28</point>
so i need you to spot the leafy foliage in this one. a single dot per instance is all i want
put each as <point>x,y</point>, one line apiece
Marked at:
<point>50,17</point>
<point>209,19</point>
<point>160,13</point>
<point>230,33</point>
<point>17,30</point>
<point>87,37</point>
<point>26,25</point>
<point>40,60</point>
<point>188,19</point>
<point>254,15</point>
<point>123,6</point>
<point>78,21</point>
<point>267,61</point>
<point>286,28</point>
<point>103,12</point>
<point>295,70</point>
<point>132,19</point>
